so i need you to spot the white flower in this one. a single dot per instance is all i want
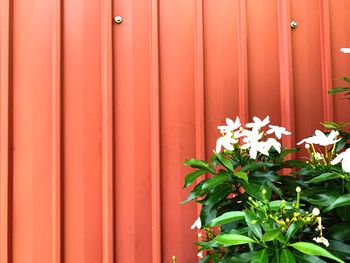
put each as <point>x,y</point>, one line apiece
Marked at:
<point>255,147</point>
<point>231,125</point>
<point>321,240</point>
<point>278,131</point>
<point>343,157</point>
<point>258,123</point>
<point>321,138</point>
<point>273,143</point>
<point>308,140</point>
<point>252,136</point>
<point>324,140</point>
<point>316,211</point>
<point>225,141</point>
<point>345,50</point>
<point>197,224</point>
<point>200,254</point>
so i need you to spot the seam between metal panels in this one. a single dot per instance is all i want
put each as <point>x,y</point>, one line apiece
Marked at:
<point>56,130</point>
<point>107,133</point>
<point>242,60</point>
<point>4,132</point>
<point>326,60</point>
<point>286,70</point>
<point>199,86</point>
<point>155,133</point>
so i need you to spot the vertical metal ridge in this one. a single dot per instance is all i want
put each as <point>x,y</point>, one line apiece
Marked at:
<point>155,133</point>
<point>326,60</point>
<point>286,70</point>
<point>199,85</point>
<point>56,130</point>
<point>199,82</point>
<point>242,60</point>
<point>107,133</point>
<point>4,132</point>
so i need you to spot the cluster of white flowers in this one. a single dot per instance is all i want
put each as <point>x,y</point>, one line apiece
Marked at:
<point>253,137</point>
<point>327,140</point>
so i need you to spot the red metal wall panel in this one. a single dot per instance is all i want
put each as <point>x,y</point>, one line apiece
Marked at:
<point>96,117</point>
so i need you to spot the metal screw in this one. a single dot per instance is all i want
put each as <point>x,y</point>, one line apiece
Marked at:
<point>118,19</point>
<point>293,24</point>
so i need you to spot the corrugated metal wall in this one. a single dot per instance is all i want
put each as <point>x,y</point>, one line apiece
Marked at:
<point>96,117</point>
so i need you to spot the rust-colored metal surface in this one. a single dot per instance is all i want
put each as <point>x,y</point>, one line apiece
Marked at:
<point>96,117</point>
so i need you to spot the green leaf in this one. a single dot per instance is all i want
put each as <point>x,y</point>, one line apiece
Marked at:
<point>261,257</point>
<point>233,239</point>
<point>216,195</point>
<point>225,162</point>
<point>314,250</point>
<point>340,201</point>
<point>321,200</point>
<point>340,232</point>
<point>255,166</point>
<point>242,175</point>
<point>345,79</point>
<point>227,218</point>
<point>339,249</point>
<point>199,164</point>
<point>285,152</point>
<point>254,227</point>
<point>191,177</point>
<point>275,205</point>
<point>208,213</point>
<point>293,229</point>
<point>340,145</point>
<point>293,164</point>
<point>303,258</point>
<point>330,125</point>
<point>242,257</point>
<point>271,234</point>
<point>275,189</point>
<point>253,190</point>
<point>239,231</point>
<point>344,213</point>
<point>197,191</point>
<point>324,177</point>
<point>287,256</point>
<point>276,258</point>
<point>205,259</point>
<point>269,175</point>
<point>336,90</point>
<point>215,181</point>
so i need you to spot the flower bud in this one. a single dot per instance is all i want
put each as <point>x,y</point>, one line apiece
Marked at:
<point>298,189</point>
<point>316,211</point>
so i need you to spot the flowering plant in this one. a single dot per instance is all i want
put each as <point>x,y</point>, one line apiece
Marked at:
<point>249,210</point>
<point>252,152</point>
